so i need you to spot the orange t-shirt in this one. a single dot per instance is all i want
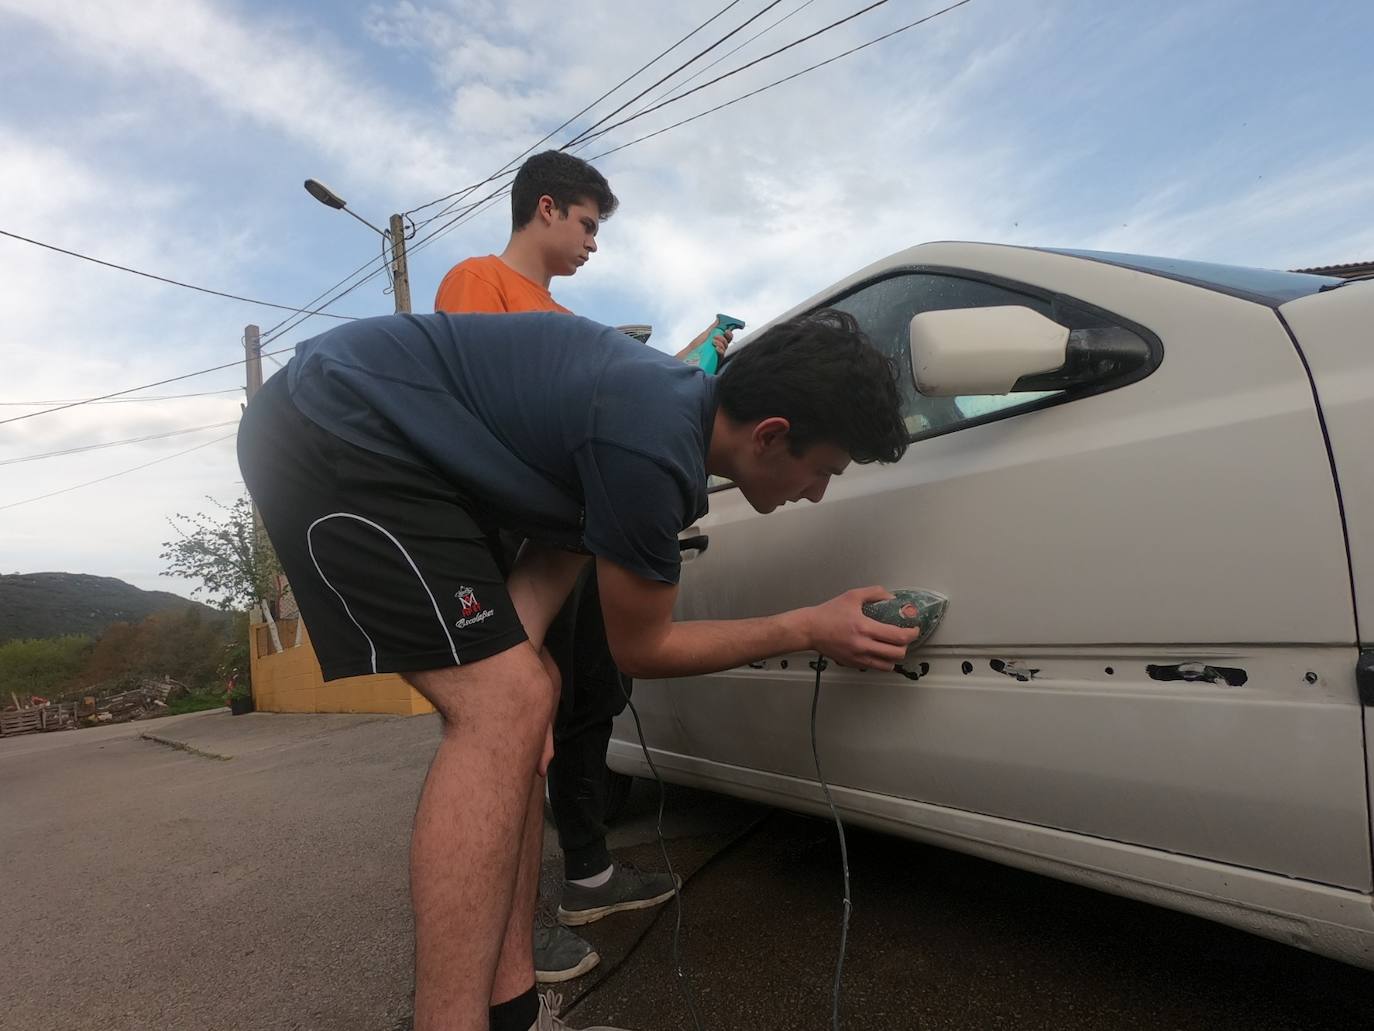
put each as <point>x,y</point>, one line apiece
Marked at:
<point>490,285</point>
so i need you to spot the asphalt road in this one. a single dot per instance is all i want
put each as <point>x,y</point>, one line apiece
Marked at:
<point>259,881</point>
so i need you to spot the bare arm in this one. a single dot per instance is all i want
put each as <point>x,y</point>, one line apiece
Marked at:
<point>647,644</point>
<point>539,584</point>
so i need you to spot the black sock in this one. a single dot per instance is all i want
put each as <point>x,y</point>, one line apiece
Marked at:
<point>518,1014</point>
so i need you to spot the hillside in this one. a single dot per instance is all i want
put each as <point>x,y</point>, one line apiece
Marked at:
<point>52,604</point>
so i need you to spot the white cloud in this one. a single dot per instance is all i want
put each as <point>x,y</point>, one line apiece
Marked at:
<point>174,137</point>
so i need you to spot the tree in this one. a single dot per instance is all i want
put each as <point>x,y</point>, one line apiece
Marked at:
<point>231,558</point>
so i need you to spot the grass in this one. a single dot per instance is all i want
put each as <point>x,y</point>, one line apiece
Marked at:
<point>195,701</point>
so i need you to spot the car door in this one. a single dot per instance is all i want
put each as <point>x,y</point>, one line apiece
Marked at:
<point>1149,636</point>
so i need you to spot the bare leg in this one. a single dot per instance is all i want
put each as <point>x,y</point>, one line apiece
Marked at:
<point>469,829</point>
<point>515,970</point>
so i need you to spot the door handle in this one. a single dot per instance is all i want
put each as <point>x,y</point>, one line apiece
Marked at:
<point>692,547</point>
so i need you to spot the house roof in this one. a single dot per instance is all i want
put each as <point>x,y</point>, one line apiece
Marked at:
<point>1347,271</point>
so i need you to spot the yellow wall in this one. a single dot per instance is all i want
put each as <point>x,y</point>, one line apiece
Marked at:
<point>290,680</point>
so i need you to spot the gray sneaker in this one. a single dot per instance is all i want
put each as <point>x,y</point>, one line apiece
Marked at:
<point>549,1005</point>
<point>559,955</point>
<point>628,888</point>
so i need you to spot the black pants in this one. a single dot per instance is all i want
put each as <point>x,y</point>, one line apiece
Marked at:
<point>594,693</point>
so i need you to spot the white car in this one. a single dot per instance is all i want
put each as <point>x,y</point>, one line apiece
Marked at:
<point>1147,488</point>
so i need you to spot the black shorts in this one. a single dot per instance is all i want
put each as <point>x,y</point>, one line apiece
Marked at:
<point>392,568</point>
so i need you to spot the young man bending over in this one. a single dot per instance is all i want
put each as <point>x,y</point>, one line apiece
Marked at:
<point>390,452</point>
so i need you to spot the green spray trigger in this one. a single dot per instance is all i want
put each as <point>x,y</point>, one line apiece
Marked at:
<point>705,355</point>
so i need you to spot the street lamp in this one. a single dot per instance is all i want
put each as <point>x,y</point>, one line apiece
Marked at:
<point>400,277</point>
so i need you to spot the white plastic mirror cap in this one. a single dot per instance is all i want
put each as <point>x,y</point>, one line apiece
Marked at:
<point>983,350</point>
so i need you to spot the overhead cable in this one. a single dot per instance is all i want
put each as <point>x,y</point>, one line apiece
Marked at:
<point>123,472</point>
<point>135,390</point>
<point>745,67</point>
<point>117,443</point>
<point>553,132</point>
<point>118,400</point>
<point>163,279</point>
<point>778,82</point>
<point>679,68</point>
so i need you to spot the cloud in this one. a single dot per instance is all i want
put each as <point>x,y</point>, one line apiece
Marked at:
<point>175,136</point>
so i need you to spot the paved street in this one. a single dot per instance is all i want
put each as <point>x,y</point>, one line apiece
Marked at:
<point>256,878</point>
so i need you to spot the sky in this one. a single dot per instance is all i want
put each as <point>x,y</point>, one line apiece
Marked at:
<point>174,139</point>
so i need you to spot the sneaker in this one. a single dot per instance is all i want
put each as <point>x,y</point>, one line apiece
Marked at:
<point>559,955</point>
<point>628,888</point>
<point>549,1005</point>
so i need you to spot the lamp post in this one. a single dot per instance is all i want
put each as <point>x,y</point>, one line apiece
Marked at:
<point>400,276</point>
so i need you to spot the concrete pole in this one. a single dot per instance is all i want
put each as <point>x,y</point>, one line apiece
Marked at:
<point>252,348</point>
<point>400,277</point>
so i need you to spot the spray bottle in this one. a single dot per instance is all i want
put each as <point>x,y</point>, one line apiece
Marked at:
<point>705,355</point>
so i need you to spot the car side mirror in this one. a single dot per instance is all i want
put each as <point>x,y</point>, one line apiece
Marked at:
<point>1012,349</point>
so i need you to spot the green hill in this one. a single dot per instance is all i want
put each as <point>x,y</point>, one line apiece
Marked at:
<point>56,604</point>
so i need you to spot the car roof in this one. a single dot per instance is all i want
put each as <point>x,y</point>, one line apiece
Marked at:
<point>1271,287</point>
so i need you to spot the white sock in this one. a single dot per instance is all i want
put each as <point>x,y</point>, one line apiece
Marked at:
<point>596,880</point>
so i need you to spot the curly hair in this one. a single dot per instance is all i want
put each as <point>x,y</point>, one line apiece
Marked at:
<point>821,374</point>
<point>568,180</point>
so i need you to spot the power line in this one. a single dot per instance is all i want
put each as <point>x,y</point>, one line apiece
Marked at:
<point>124,472</point>
<point>735,71</point>
<point>118,400</point>
<point>674,90</point>
<point>665,78</point>
<point>286,325</point>
<point>779,82</point>
<point>553,132</point>
<point>473,209</point>
<point>117,443</point>
<point>162,279</point>
<point>134,390</point>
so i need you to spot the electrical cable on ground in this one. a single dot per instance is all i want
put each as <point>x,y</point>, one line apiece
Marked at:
<point>117,443</point>
<point>683,985</point>
<point>123,472</point>
<point>819,665</point>
<point>164,279</point>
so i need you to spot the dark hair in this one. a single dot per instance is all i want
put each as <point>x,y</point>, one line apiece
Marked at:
<point>820,373</point>
<point>568,180</point>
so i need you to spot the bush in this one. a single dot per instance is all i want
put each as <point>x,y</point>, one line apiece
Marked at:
<point>44,666</point>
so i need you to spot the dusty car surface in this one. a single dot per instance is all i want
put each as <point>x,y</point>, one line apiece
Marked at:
<point>1147,488</point>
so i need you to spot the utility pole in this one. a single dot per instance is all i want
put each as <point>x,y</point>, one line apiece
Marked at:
<point>400,277</point>
<point>252,349</point>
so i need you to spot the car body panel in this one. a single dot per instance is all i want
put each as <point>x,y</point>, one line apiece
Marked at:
<point>1189,517</point>
<point>1336,333</point>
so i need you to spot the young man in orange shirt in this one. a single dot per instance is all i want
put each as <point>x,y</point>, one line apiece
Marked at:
<point>558,202</point>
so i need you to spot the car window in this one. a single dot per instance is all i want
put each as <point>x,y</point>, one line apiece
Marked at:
<point>884,310</point>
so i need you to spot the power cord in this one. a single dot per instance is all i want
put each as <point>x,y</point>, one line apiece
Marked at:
<point>819,664</point>
<point>684,986</point>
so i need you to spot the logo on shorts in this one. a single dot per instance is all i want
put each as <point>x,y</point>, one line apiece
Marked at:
<point>468,599</point>
<point>472,608</point>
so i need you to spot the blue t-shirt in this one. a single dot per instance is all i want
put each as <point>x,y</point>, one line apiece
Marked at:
<point>554,426</point>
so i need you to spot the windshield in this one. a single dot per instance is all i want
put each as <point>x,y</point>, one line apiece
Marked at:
<point>1263,286</point>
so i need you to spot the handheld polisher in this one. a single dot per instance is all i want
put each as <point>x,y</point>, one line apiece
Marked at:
<point>910,608</point>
